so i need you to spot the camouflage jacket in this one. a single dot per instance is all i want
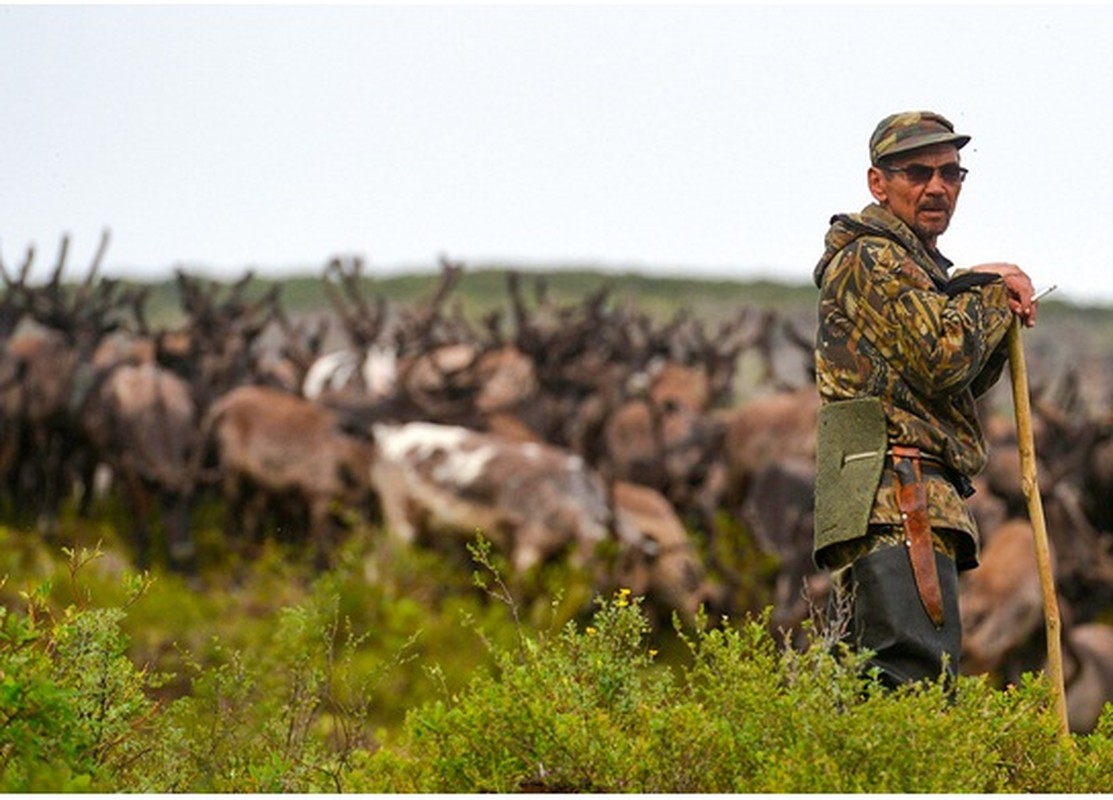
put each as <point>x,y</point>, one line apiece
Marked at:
<point>894,325</point>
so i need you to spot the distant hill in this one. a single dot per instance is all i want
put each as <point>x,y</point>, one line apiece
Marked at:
<point>482,289</point>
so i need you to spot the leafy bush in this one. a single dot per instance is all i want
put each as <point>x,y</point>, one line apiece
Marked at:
<point>575,705</point>
<point>73,707</point>
<point>285,719</point>
<point>591,710</point>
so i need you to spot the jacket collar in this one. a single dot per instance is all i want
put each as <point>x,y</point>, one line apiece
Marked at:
<point>874,220</point>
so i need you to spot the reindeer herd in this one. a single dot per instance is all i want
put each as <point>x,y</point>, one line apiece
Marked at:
<point>586,431</point>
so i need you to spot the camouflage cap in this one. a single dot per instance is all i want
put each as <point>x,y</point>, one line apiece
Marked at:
<point>911,130</point>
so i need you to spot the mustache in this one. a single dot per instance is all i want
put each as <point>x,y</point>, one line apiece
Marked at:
<point>935,205</point>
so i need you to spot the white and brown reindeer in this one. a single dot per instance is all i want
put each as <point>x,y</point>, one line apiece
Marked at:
<point>534,501</point>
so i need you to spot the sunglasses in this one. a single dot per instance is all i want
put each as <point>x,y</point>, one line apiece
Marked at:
<point>922,173</point>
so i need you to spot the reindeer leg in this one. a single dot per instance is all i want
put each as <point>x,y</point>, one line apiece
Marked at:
<point>139,504</point>
<point>176,507</point>
<point>236,512</point>
<point>323,532</point>
<point>49,495</point>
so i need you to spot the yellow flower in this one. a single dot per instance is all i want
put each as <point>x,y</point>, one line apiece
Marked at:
<point>623,598</point>
<point>590,631</point>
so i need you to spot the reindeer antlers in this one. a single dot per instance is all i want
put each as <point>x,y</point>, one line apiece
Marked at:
<point>89,308</point>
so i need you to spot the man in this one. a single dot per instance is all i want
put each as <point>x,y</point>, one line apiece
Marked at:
<point>903,350</point>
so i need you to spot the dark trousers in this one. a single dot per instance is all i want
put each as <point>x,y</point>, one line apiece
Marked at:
<point>887,617</point>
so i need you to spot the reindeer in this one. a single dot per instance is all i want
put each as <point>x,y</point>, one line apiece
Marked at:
<point>369,366</point>
<point>662,437</point>
<point>657,557</point>
<point>533,500</point>
<point>1001,604</point>
<point>142,421</point>
<point>215,350</point>
<point>285,364</point>
<point>632,398</point>
<point>536,502</point>
<point>268,447</point>
<point>770,427</point>
<point>52,357</point>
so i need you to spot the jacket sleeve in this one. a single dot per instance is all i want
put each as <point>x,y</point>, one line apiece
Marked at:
<point>969,281</point>
<point>940,341</point>
<point>991,373</point>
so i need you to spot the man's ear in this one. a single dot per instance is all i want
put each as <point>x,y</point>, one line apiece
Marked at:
<point>876,180</point>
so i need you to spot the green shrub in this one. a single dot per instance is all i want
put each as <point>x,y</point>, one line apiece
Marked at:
<point>591,710</point>
<point>285,718</point>
<point>73,707</point>
<point>287,697</point>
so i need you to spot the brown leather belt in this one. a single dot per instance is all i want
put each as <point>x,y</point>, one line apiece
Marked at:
<point>930,465</point>
<point>912,501</point>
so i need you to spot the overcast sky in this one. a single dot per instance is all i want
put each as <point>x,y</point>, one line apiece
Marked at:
<point>714,140</point>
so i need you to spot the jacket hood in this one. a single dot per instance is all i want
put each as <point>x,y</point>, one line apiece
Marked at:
<point>873,221</point>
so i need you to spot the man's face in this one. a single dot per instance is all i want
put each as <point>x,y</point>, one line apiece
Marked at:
<point>925,206</point>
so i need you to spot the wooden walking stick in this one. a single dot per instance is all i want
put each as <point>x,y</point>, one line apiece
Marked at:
<point>1031,490</point>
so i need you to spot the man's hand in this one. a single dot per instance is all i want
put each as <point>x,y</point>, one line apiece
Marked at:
<point>1019,288</point>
